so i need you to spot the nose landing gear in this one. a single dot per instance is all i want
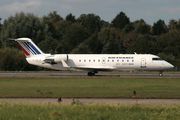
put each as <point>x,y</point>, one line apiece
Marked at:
<point>160,73</point>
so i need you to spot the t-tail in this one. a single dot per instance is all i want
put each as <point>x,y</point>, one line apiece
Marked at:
<point>35,56</point>
<point>29,48</point>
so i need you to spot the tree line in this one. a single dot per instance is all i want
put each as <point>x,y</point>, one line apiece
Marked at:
<point>87,34</point>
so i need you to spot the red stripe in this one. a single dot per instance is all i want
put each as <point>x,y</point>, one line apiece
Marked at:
<point>25,52</point>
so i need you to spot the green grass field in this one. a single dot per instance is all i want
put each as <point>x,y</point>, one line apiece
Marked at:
<point>94,87</point>
<point>88,111</point>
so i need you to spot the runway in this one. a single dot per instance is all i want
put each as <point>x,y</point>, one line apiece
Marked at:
<point>94,100</point>
<point>33,74</point>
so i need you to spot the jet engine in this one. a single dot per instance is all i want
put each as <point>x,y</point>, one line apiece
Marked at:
<point>54,59</point>
<point>60,57</point>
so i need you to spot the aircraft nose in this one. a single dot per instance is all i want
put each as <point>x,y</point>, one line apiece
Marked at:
<point>170,66</point>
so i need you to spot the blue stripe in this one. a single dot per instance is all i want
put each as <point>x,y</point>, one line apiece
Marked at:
<point>27,48</point>
<point>34,48</point>
<point>31,51</point>
<point>30,48</point>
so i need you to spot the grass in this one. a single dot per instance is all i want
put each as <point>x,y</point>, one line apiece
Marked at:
<point>93,87</point>
<point>88,111</point>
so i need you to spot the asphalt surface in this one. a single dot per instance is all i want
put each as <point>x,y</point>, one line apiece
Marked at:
<point>23,74</point>
<point>94,100</point>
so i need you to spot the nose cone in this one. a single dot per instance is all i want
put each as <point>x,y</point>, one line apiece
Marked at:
<point>169,66</point>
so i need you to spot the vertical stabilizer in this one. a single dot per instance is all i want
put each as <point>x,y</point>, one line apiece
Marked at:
<point>29,48</point>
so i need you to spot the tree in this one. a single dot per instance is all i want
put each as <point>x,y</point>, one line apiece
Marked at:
<point>141,44</point>
<point>129,27</point>
<point>120,21</point>
<point>49,45</point>
<point>90,22</point>
<point>82,49</point>
<point>89,46</point>
<point>104,24</point>
<point>12,59</point>
<point>111,47</point>
<point>141,27</point>
<point>0,44</point>
<point>71,18</point>
<point>129,39</point>
<point>73,36</point>
<point>52,17</point>
<point>174,25</point>
<point>22,25</point>
<point>51,21</point>
<point>60,29</point>
<point>169,43</point>
<point>168,57</point>
<point>111,40</point>
<point>107,34</point>
<point>159,27</point>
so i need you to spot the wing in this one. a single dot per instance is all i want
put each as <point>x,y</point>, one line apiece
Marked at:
<point>84,68</point>
<point>95,68</point>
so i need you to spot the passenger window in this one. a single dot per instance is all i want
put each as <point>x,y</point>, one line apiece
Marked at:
<point>127,60</point>
<point>112,60</point>
<point>79,60</point>
<point>108,60</point>
<point>117,60</point>
<point>98,60</point>
<point>84,60</point>
<point>94,60</point>
<point>89,60</point>
<point>132,60</point>
<point>122,60</point>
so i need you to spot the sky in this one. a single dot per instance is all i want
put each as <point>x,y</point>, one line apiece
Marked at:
<point>148,10</point>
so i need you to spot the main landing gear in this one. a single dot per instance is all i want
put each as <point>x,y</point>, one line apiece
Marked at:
<point>160,73</point>
<point>91,73</point>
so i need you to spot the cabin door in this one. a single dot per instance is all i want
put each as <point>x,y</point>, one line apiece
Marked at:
<point>103,60</point>
<point>143,62</point>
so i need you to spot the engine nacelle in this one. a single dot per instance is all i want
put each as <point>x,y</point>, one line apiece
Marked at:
<point>59,57</point>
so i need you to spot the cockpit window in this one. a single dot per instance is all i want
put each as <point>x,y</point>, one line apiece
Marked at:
<point>156,59</point>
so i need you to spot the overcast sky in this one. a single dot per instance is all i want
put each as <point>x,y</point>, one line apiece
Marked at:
<point>149,10</point>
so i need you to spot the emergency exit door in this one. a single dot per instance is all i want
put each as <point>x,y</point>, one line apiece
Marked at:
<point>143,63</point>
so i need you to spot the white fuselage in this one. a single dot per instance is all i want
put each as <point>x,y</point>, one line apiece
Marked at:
<point>105,62</point>
<point>91,62</point>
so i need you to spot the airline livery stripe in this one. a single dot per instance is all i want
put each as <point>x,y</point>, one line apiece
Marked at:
<point>26,48</point>
<point>34,48</point>
<point>30,48</point>
<point>25,52</point>
<point>33,51</point>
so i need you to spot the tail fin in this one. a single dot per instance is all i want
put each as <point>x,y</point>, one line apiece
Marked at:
<point>29,48</point>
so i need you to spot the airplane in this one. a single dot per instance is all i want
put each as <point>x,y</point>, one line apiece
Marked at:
<point>92,63</point>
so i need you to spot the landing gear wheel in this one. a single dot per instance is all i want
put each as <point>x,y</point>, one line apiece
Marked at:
<point>160,74</point>
<point>90,73</point>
